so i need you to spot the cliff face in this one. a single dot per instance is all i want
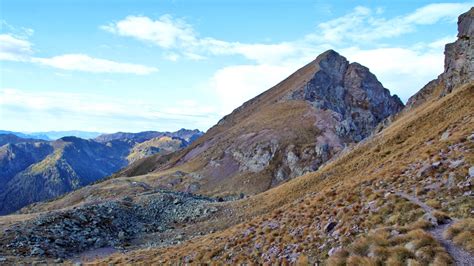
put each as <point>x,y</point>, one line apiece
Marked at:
<point>458,64</point>
<point>352,93</point>
<point>291,129</point>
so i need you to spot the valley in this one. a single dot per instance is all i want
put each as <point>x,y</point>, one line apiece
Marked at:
<point>327,167</point>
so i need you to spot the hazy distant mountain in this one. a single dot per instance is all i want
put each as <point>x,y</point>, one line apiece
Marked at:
<point>25,135</point>
<point>53,135</point>
<point>188,135</point>
<point>403,195</point>
<point>33,170</point>
<point>13,139</point>
<point>74,133</point>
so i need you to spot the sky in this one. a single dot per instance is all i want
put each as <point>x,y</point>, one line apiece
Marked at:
<point>136,65</point>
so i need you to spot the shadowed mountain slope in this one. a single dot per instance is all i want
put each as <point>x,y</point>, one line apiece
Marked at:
<point>34,170</point>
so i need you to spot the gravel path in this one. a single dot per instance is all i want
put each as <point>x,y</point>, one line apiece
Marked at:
<point>459,255</point>
<point>416,201</point>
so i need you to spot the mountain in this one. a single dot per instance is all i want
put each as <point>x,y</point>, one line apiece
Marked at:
<point>33,170</point>
<point>458,66</point>
<point>287,131</point>
<point>297,126</point>
<point>400,196</point>
<point>403,196</point>
<point>13,139</point>
<point>185,134</point>
<point>159,145</point>
<point>53,135</point>
<point>24,135</point>
<point>44,170</point>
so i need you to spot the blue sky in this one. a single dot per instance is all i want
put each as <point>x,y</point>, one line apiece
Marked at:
<point>162,65</point>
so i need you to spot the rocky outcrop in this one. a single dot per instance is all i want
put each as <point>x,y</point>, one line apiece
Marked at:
<point>352,92</point>
<point>289,130</point>
<point>185,134</point>
<point>159,145</point>
<point>458,64</point>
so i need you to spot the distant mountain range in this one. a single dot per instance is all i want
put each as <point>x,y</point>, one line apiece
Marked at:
<point>33,170</point>
<point>53,135</point>
<point>325,168</point>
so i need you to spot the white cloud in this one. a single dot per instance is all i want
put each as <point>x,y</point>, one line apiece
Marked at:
<point>81,62</point>
<point>237,84</point>
<point>361,26</point>
<point>177,35</point>
<point>18,32</point>
<point>364,25</point>
<point>18,48</point>
<point>433,13</point>
<point>165,32</point>
<point>261,53</point>
<point>14,49</point>
<point>407,71</point>
<point>97,110</point>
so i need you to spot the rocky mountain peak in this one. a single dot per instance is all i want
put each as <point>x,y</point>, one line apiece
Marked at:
<point>459,56</point>
<point>291,129</point>
<point>458,64</point>
<point>351,91</point>
<point>466,24</point>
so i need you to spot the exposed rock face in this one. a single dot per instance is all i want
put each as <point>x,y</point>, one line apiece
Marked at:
<point>351,91</point>
<point>185,134</point>
<point>458,64</point>
<point>289,130</point>
<point>159,145</point>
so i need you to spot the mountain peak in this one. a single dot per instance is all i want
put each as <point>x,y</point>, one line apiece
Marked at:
<point>349,90</point>
<point>458,64</point>
<point>328,54</point>
<point>466,24</point>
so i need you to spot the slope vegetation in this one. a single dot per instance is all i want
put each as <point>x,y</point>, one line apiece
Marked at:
<point>35,170</point>
<point>312,215</point>
<point>291,129</point>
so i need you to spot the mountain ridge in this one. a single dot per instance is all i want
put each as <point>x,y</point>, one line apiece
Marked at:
<point>383,199</point>
<point>33,170</point>
<point>260,142</point>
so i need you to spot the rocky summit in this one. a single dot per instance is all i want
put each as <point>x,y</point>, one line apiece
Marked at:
<point>353,94</point>
<point>458,64</point>
<point>325,168</point>
<point>291,129</point>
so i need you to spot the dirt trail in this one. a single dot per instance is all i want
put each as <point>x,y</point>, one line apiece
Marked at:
<point>459,255</point>
<point>416,201</point>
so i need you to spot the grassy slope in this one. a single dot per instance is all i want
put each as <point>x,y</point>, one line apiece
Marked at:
<point>292,216</point>
<point>160,145</point>
<point>286,120</point>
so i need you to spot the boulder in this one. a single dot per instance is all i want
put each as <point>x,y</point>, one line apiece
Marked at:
<point>329,226</point>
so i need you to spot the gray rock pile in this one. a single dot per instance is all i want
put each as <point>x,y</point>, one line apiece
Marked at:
<point>63,234</point>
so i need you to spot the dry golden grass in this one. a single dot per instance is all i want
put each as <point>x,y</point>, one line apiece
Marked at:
<point>391,245</point>
<point>352,190</point>
<point>462,234</point>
